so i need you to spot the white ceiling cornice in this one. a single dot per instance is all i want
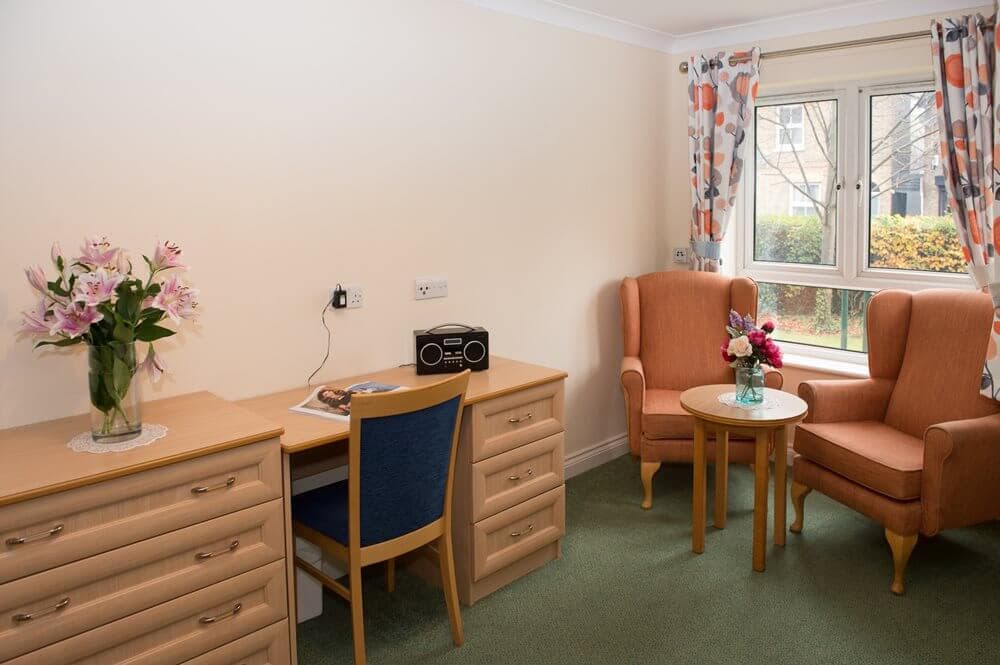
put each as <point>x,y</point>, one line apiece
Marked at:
<point>833,18</point>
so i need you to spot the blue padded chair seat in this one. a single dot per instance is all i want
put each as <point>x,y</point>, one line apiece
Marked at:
<point>324,509</point>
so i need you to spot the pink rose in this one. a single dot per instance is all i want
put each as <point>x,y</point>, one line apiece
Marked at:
<point>768,327</point>
<point>757,337</point>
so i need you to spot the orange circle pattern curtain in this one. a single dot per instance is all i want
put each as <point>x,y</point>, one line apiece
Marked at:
<point>964,54</point>
<point>720,107</point>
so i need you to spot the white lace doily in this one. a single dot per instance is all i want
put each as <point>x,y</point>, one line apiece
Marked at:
<point>729,399</point>
<point>84,442</point>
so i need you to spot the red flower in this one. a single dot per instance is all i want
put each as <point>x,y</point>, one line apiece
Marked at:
<point>768,327</point>
<point>757,337</point>
<point>773,354</point>
<point>725,353</point>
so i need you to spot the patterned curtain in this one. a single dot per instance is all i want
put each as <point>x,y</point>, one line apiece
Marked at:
<point>964,56</point>
<point>720,106</point>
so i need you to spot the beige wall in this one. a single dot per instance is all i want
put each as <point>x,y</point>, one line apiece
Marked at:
<point>289,146</point>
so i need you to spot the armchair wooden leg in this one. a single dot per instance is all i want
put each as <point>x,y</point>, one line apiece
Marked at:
<point>647,470</point>
<point>357,614</point>
<point>901,547</point>
<point>799,492</point>
<point>446,559</point>
<point>390,575</point>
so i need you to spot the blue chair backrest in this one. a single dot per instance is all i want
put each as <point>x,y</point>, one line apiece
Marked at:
<point>404,470</point>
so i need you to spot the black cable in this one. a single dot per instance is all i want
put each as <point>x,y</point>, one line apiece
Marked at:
<point>329,335</point>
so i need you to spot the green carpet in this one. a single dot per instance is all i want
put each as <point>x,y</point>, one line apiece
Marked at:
<point>629,590</point>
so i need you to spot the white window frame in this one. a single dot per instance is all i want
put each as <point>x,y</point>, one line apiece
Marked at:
<point>781,145</point>
<point>851,269</point>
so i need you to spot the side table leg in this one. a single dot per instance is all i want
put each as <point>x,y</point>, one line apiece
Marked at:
<point>760,500</point>
<point>780,486</point>
<point>721,476</point>
<point>699,498</point>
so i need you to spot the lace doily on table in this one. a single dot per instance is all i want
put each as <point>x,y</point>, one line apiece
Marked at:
<point>84,442</point>
<point>729,399</point>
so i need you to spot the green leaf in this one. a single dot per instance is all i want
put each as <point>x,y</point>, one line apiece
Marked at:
<point>123,333</point>
<point>57,288</point>
<point>150,332</point>
<point>61,342</point>
<point>122,376</point>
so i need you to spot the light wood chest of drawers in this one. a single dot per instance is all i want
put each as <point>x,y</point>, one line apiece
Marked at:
<point>159,555</point>
<point>509,510</point>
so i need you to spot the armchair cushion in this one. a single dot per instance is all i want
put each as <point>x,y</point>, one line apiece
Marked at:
<point>870,453</point>
<point>664,418</point>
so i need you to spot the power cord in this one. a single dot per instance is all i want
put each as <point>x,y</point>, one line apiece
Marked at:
<point>329,336</point>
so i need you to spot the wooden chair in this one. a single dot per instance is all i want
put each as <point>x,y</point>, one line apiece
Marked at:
<point>397,496</point>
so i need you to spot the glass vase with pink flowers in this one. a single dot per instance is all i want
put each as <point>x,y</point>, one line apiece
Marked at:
<point>97,299</point>
<point>747,350</point>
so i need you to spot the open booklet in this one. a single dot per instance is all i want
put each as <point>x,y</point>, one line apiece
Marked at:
<point>335,403</point>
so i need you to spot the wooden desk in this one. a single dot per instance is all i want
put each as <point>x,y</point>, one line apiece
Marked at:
<point>115,556</point>
<point>509,470</point>
<point>784,409</point>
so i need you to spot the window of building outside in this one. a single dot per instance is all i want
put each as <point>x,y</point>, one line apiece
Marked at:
<point>846,197</point>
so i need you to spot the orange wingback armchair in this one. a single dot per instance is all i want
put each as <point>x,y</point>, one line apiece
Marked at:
<point>674,325</point>
<point>915,447</point>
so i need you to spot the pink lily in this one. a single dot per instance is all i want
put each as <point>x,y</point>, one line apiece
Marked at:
<point>37,320</point>
<point>176,299</point>
<point>93,288</point>
<point>154,365</point>
<point>123,265</point>
<point>97,252</point>
<point>167,255</point>
<point>73,321</point>
<point>36,277</point>
<point>58,260</point>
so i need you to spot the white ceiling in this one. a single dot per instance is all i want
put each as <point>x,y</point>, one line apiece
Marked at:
<point>677,17</point>
<point>682,26</point>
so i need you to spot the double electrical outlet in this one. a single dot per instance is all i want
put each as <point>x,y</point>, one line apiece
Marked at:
<point>352,296</point>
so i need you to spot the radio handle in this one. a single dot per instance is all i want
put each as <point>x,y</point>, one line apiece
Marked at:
<point>449,325</point>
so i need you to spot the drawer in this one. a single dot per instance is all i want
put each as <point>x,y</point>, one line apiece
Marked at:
<point>127,580</point>
<point>179,629</point>
<point>504,423</point>
<point>79,523</point>
<point>509,478</point>
<point>506,537</point>
<point>268,646</point>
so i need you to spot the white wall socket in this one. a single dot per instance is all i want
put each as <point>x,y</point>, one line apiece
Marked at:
<point>430,287</point>
<point>680,254</point>
<point>355,295</point>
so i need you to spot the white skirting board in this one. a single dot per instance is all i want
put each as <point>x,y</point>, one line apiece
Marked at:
<point>594,456</point>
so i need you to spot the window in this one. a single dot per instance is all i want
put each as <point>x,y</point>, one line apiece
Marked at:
<point>803,196</point>
<point>847,198</point>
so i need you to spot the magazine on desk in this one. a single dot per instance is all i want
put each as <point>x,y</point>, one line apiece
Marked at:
<point>335,403</point>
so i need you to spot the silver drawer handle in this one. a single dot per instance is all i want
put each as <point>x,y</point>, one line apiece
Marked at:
<point>21,618</point>
<point>518,534</point>
<point>54,531</point>
<point>225,615</point>
<point>514,421</point>
<point>208,555</point>
<point>230,481</point>
<point>525,474</point>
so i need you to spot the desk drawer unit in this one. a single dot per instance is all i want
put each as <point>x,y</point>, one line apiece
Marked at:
<point>268,646</point>
<point>509,511</point>
<point>179,629</point>
<point>50,531</point>
<point>56,604</point>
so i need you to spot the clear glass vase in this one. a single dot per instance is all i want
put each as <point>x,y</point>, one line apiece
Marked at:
<point>749,385</point>
<point>115,402</point>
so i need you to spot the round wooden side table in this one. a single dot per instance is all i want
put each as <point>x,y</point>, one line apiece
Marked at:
<point>779,410</point>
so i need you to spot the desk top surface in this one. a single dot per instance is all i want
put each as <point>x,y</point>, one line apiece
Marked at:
<point>780,408</point>
<point>303,431</point>
<point>35,460</point>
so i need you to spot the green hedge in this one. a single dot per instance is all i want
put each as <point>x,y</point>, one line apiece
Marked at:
<point>924,243</point>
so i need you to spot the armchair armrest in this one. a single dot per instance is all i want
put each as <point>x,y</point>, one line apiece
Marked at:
<point>634,386</point>
<point>844,400</point>
<point>960,484</point>
<point>773,378</point>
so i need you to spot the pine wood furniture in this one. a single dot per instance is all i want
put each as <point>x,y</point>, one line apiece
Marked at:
<point>760,424</point>
<point>161,554</point>
<point>407,513</point>
<point>509,499</point>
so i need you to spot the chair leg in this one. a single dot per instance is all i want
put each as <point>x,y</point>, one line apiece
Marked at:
<point>390,575</point>
<point>446,558</point>
<point>799,492</point>
<point>901,547</point>
<point>357,615</point>
<point>647,470</point>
